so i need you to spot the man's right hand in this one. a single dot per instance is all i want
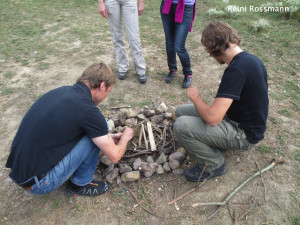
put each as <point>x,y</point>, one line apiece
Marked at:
<point>128,133</point>
<point>102,9</point>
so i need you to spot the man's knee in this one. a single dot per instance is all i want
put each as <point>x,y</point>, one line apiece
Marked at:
<point>180,125</point>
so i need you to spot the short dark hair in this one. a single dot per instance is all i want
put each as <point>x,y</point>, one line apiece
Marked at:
<point>97,73</point>
<point>216,37</point>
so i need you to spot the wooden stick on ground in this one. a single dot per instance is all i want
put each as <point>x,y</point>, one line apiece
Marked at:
<point>135,198</point>
<point>151,137</point>
<point>274,162</point>
<point>144,135</point>
<point>197,186</point>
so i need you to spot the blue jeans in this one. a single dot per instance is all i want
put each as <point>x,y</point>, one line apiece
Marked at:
<point>81,162</point>
<point>176,34</point>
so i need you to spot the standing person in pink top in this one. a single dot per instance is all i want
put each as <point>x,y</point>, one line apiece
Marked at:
<point>177,17</point>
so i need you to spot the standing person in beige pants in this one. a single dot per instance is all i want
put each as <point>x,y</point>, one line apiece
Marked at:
<point>114,10</point>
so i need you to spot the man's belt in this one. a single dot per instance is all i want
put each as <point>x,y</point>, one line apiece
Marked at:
<point>31,182</point>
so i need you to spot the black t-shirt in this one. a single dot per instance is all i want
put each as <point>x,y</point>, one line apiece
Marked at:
<point>51,128</point>
<point>245,81</point>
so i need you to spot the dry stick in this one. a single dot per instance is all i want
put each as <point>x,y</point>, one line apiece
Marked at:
<point>187,193</point>
<point>164,137</point>
<point>192,190</point>
<point>274,162</point>
<point>140,138</point>
<point>228,209</point>
<point>144,135</point>
<point>120,107</point>
<point>135,198</point>
<point>252,204</point>
<point>262,180</point>
<point>151,137</point>
<point>173,140</point>
<point>201,175</point>
<point>143,152</point>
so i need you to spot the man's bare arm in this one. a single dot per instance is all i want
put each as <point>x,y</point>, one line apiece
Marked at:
<point>114,151</point>
<point>211,114</point>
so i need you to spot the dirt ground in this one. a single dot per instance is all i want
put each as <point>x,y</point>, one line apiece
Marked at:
<point>271,198</point>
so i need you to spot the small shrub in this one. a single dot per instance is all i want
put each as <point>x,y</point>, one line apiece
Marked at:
<point>264,149</point>
<point>226,2</point>
<point>215,12</point>
<point>260,25</point>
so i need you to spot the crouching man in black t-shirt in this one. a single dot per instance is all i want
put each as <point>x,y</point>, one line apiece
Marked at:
<point>61,136</point>
<point>237,118</point>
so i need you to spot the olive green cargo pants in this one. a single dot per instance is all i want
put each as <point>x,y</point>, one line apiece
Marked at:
<point>204,142</point>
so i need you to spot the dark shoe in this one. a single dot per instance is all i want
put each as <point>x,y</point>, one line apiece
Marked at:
<point>170,76</point>
<point>94,188</point>
<point>187,81</point>
<point>122,75</point>
<point>194,173</point>
<point>142,78</point>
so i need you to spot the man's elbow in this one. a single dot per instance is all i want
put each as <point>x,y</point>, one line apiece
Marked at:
<point>213,122</point>
<point>115,159</point>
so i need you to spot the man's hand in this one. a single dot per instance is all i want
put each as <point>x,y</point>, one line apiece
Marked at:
<point>102,9</point>
<point>141,7</point>
<point>193,94</point>
<point>127,134</point>
<point>116,137</point>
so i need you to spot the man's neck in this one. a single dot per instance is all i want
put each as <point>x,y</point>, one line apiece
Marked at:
<point>230,52</point>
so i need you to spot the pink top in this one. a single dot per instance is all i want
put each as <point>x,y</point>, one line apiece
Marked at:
<point>179,11</point>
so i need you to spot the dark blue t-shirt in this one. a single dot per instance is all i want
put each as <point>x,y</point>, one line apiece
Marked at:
<point>51,128</point>
<point>245,81</point>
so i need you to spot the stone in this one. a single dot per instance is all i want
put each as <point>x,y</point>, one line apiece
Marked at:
<point>178,171</point>
<point>182,150</point>
<point>166,167</point>
<point>141,116</point>
<point>111,126</point>
<point>147,169</point>
<point>168,115</point>
<point>149,112</point>
<point>160,170</point>
<point>109,169</point>
<point>105,160</point>
<point>120,129</point>
<point>119,181</point>
<point>130,113</point>
<point>130,176</point>
<point>119,118</point>
<point>112,175</point>
<point>174,164</point>
<point>124,168</point>
<point>161,159</point>
<point>157,119</point>
<point>179,156</point>
<point>137,163</point>
<point>161,108</point>
<point>130,122</point>
<point>150,159</point>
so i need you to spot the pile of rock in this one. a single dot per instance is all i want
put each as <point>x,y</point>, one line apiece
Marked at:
<point>153,148</point>
<point>132,169</point>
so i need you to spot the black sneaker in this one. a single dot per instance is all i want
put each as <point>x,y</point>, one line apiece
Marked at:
<point>94,188</point>
<point>187,81</point>
<point>122,75</point>
<point>170,76</point>
<point>194,173</point>
<point>142,78</point>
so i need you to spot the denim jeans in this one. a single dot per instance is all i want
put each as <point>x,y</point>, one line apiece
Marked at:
<point>81,162</point>
<point>176,34</point>
<point>205,143</point>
